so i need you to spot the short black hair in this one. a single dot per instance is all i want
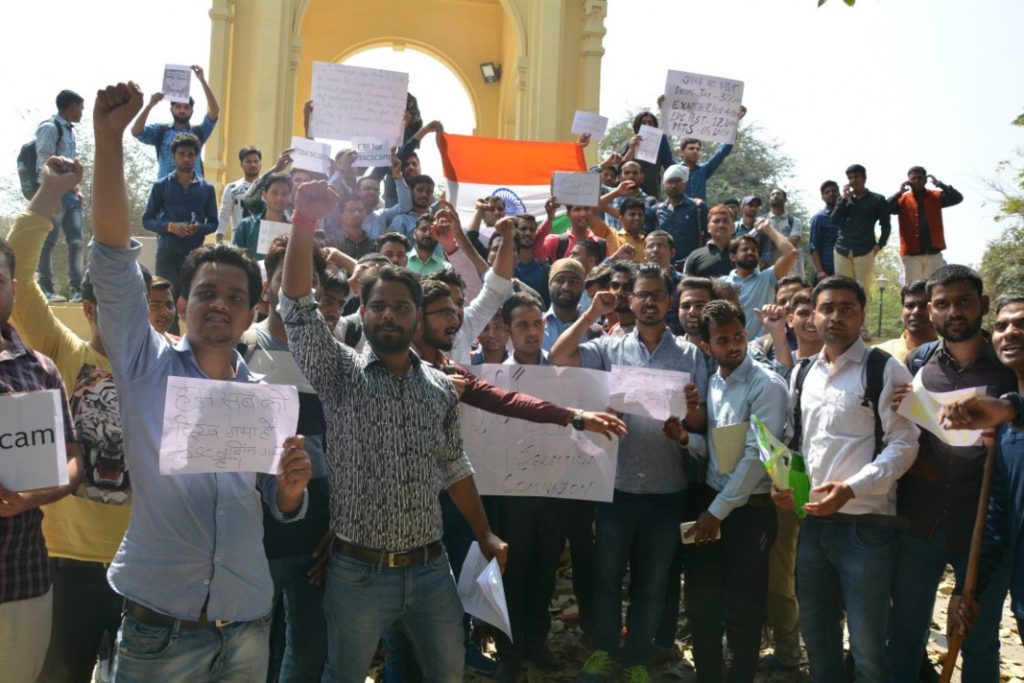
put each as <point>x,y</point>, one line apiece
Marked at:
<point>916,169</point>
<point>246,151</point>
<point>731,201</point>
<point>780,190</point>
<point>359,181</point>
<point>8,253</point>
<point>419,180</point>
<point>840,282</point>
<point>640,117</point>
<point>450,277</point>
<point>722,289</point>
<point>275,178</point>
<point>275,258</point>
<point>652,271</point>
<point>827,184</point>
<point>662,233</point>
<point>434,290</point>
<point>856,168</point>
<point>693,282</point>
<point>592,248</point>
<point>601,275</point>
<point>720,312</point>
<point>373,257</point>
<point>227,254</point>
<point>1006,300</point>
<point>631,203</point>
<point>335,279</point>
<point>390,273</point>
<point>948,274</point>
<point>915,287</point>
<point>161,285</point>
<point>65,98</point>
<point>516,300</point>
<point>791,280</point>
<point>185,140</point>
<point>396,237</point>
<point>734,245</point>
<point>690,141</point>
<point>627,267</point>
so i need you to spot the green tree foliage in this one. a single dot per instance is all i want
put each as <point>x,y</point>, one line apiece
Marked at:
<point>1002,266</point>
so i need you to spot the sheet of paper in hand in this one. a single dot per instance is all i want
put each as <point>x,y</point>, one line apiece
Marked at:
<point>654,393</point>
<point>215,426</point>
<point>354,101</point>
<point>177,80</point>
<point>576,189</point>
<point>703,107</point>
<point>588,122</point>
<point>922,407</point>
<point>310,155</point>
<point>650,141</point>
<point>372,152</point>
<point>32,450</point>
<point>268,231</point>
<point>481,590</point>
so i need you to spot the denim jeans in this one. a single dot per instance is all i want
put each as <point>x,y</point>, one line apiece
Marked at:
<point>299,656</point>
<point>235,653</point>
<point>653,521</point>
<point>849,567</point>
<point>69,220</point>
<point>919,570</point>
<point>362,600</point>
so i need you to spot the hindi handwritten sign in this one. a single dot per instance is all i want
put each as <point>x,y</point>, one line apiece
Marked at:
<point>177,79</point>
<point>518,458</point>
<point>354,101</point>
<point>704,107</point>
<point>576,189</point>
<point>310,155</point>
<point>481,590</point>
<point>32,451</point>
<point>650,141</point>
<point>587,122</point>
<point>214,426</point>
<point>268,231</point>
<point>372,152</point>
<point>653,393</point>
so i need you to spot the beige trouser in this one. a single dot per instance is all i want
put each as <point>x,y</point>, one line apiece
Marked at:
<point>860,268</point>
<point>921,267</point>
<point>783,610</point>
<point>24,637</point>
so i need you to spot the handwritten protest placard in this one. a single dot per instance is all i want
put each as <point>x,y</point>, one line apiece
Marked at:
<point>354,101</point>
<point>518,458</point>
<point>32,451</point>
<point>576,189</point>
<point>268,231</point>
<point>650,141</point>
<point>653,393</point>
<point>587,122</point>
<point>214,426</point>
<point>372,152</point>
<point>177,79</point>
<point>704,107</point>
<point>310,155</point>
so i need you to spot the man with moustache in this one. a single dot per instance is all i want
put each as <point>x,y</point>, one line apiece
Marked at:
<point>712,260</point>
<point>919,211</point>
<point>757,286</point>
<point>939,494</point>
<point>823,233</point>
<point>530,269</point>
<point>679,215</point>
<point>633,216</point>
<point>566,286</point>
<point>917,326</point>
<point>786,223</point>
<point>623,277</point>
<point>424,261</point>
<point>856,213</point>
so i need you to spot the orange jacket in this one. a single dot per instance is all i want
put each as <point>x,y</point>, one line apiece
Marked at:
<point>907,209</point>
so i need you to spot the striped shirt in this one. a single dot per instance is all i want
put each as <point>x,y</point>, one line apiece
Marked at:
<point>47,144</point>
<point>392,443</point>
<point>24,572</point>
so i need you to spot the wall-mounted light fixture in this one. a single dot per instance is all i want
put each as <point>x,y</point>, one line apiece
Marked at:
<point>491,72</point>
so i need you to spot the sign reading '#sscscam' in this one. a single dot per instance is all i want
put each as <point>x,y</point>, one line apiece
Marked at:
<point>353,101</point>
<point>371,152</point>
<point>704,107</point>
<point>310,155</point>
<point>32,451</point>
<point>214,426</point>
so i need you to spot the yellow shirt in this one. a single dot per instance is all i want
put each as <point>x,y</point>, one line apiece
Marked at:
<point>898,348</point>
<point>636,242</point>
<point>89,524</point>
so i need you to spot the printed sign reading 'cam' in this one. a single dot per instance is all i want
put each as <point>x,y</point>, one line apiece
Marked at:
<point>32,447</point>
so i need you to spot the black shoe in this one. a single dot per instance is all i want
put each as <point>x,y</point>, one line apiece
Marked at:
<point>508,670</point>
<point>539,654</point>
<point>927,673</point>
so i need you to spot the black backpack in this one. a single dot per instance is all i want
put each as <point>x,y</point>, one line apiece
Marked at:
<point>920,356</point>
<point>875,378</point>
<point>28,159</point>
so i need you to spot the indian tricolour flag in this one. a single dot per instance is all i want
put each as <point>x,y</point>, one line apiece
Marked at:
<point>518,172</point>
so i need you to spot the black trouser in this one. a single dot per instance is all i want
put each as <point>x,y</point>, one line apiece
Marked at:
<point>534,529</point>
<point>86,612</point>
<point>727,583</point>
<point>578,516</point>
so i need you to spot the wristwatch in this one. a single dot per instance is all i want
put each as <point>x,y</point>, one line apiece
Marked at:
<point>1018,405</point>
<point>577,420</point>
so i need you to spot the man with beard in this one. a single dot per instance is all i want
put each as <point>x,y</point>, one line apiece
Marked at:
<point>421,188</point>
<point>162,135</point>
<point>182,210</point>
<point>728,575</point>
<point>395,247</point>
<point>530,269</point>
<point>678,215</point>
<point>276,193</point>
<point>396,473</point>
<point>939,494</point>
<point>231,210</point>
<point>917,327</point>
<point>749,208</point>
<point>566,286</point>
<point>919,210</point>
<point>425,261</point>
<point>788,225</point>
<point>757,287</point>
<point>649,478</point>
<point>352,238</point>
<point>824,233</point>
<point>694,294</point>
<point>712,260</point>
<point>623,277</point>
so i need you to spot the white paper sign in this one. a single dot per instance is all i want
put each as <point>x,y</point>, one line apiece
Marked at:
<point>354,101</point>
<point>518,458</point>
<point>704,107</point>
<point>372,152</point>
<point>922,407</point>
<point>268,231</point>
<point>32,450</point>
<point>576,189</point>
<point>481,591</point>
<point>587,122</point>
<point>650,141</point>
<point>653,393</point>
<point>215,426</point>
<point>177,79</point>
<point>310,155</point>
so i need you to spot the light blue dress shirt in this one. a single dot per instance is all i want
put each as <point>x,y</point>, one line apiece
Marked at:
<point>756,290</point>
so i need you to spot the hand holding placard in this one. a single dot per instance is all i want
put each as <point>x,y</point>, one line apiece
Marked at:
<point>32,444</point>
<point>587,122</point>
<point>650,141</point>
<point>353,101</point>
<point>704,107</point>
<point>177,79</point>
<point>310,155</point>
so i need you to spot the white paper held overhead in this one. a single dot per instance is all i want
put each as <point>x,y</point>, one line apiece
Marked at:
<point>310,155</point>
<point>576,189</point>
<point>354,101</point>
<point>588,122</point>
<point>650,141</point>
<point>372,152</point>
<point>177,82</point>
<point>268,231</point>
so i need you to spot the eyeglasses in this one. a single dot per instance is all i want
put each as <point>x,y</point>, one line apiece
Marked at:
<point>616,286</point>
<point>448,313</point>
<point>651,296</point>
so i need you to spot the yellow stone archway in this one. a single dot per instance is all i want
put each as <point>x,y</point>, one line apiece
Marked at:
<point>262,51</point>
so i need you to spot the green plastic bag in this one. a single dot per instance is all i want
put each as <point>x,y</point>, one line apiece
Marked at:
<point>785,467</point>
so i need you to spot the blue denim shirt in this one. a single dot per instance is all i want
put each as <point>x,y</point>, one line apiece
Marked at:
<point>756,290</point>
<point>824,233</point>
<point>682,221</point>
<point>649,462</point>
<point>697,183</point>
<point>164,158</point>
<point>193,539</point>
<point>169,202</point>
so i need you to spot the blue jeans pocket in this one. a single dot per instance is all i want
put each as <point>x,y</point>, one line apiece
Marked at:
<point>872,538</point>
<point>142,641</point>
<point>349,571</point>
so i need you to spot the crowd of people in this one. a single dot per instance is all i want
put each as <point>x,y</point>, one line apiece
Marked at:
<point>377,305</point>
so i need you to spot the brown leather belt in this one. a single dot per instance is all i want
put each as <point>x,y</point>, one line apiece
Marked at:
<point>150,617</point>
<point>406,558</point>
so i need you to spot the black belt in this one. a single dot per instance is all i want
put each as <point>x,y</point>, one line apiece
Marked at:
<point>406,558</point>
<point>149,617</point>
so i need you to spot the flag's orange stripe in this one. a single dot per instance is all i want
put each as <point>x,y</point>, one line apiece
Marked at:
<point>492,161</point>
